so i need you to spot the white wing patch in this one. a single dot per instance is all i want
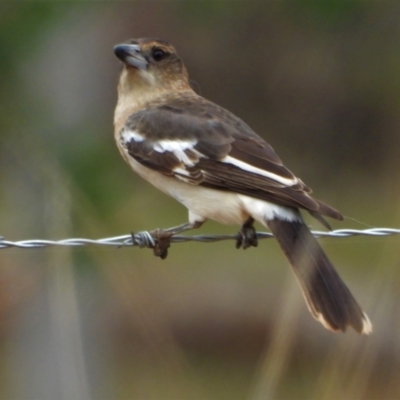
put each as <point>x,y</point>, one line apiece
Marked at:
<point>173,145</point>
<point>250,168</point>
<point>177,147</point>
<point>128,135</point>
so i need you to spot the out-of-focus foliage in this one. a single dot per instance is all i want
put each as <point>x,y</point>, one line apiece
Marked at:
<point>20,24</point>
<point>334,12</point>
<point>318,79</point>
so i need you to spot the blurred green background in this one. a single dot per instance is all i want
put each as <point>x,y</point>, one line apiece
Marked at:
<point>320,80</point>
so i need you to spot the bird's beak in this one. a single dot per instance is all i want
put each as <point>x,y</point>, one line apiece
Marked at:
<point>130,54</point>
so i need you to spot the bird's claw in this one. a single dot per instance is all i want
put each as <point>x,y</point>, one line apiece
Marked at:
<point>163,242</point>
<point>247,237</point>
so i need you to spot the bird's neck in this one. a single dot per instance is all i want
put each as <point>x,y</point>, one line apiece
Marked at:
<point>136,94</point>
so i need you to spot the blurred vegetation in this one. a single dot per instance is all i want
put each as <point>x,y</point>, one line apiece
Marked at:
<point>318,79</point>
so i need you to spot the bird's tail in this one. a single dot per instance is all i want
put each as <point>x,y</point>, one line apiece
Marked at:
<point>328,298</point>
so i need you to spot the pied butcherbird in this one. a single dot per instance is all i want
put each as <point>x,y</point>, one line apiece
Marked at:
<point>219,168</point>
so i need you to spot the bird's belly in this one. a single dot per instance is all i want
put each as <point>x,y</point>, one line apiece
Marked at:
<point>203,203</point>
<point>223,207</point>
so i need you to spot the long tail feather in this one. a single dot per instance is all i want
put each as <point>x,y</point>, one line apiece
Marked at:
<point>328,298</point>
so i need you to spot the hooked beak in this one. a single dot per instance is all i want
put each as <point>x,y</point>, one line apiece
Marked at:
<point>130,54</point>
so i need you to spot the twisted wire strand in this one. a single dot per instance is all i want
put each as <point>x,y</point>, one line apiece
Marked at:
<point>148,238</point>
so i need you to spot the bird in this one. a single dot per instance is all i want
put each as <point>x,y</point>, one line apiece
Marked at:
<point>214,164</point>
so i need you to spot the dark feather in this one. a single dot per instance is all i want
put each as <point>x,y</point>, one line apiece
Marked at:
<point>323,289</point>
<point>217,133</point>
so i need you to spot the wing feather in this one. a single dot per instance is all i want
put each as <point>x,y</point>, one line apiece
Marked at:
<point>203,144</point>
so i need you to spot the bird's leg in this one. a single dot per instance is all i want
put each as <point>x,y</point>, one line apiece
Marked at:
<point>248,235</point>
<point>163,237</point>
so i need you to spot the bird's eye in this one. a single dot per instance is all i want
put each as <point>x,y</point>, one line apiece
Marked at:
<point>158,54</point>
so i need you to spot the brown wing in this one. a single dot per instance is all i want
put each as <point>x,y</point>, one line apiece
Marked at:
<point>201,143</point>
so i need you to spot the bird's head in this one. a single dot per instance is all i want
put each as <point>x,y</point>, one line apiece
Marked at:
<point>151,64</point>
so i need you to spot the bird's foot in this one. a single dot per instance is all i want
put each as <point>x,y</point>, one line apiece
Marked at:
<point>159,240</point>
<point>162,237</point>
<point>163,242</point>
<point>247,235</point>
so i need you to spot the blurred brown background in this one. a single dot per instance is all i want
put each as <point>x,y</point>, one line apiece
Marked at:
<point>319,80</point>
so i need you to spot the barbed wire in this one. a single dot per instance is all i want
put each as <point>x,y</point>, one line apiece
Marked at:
<point>149,238</point>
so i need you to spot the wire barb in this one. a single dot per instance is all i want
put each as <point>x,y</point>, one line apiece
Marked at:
<point>146,239</point>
